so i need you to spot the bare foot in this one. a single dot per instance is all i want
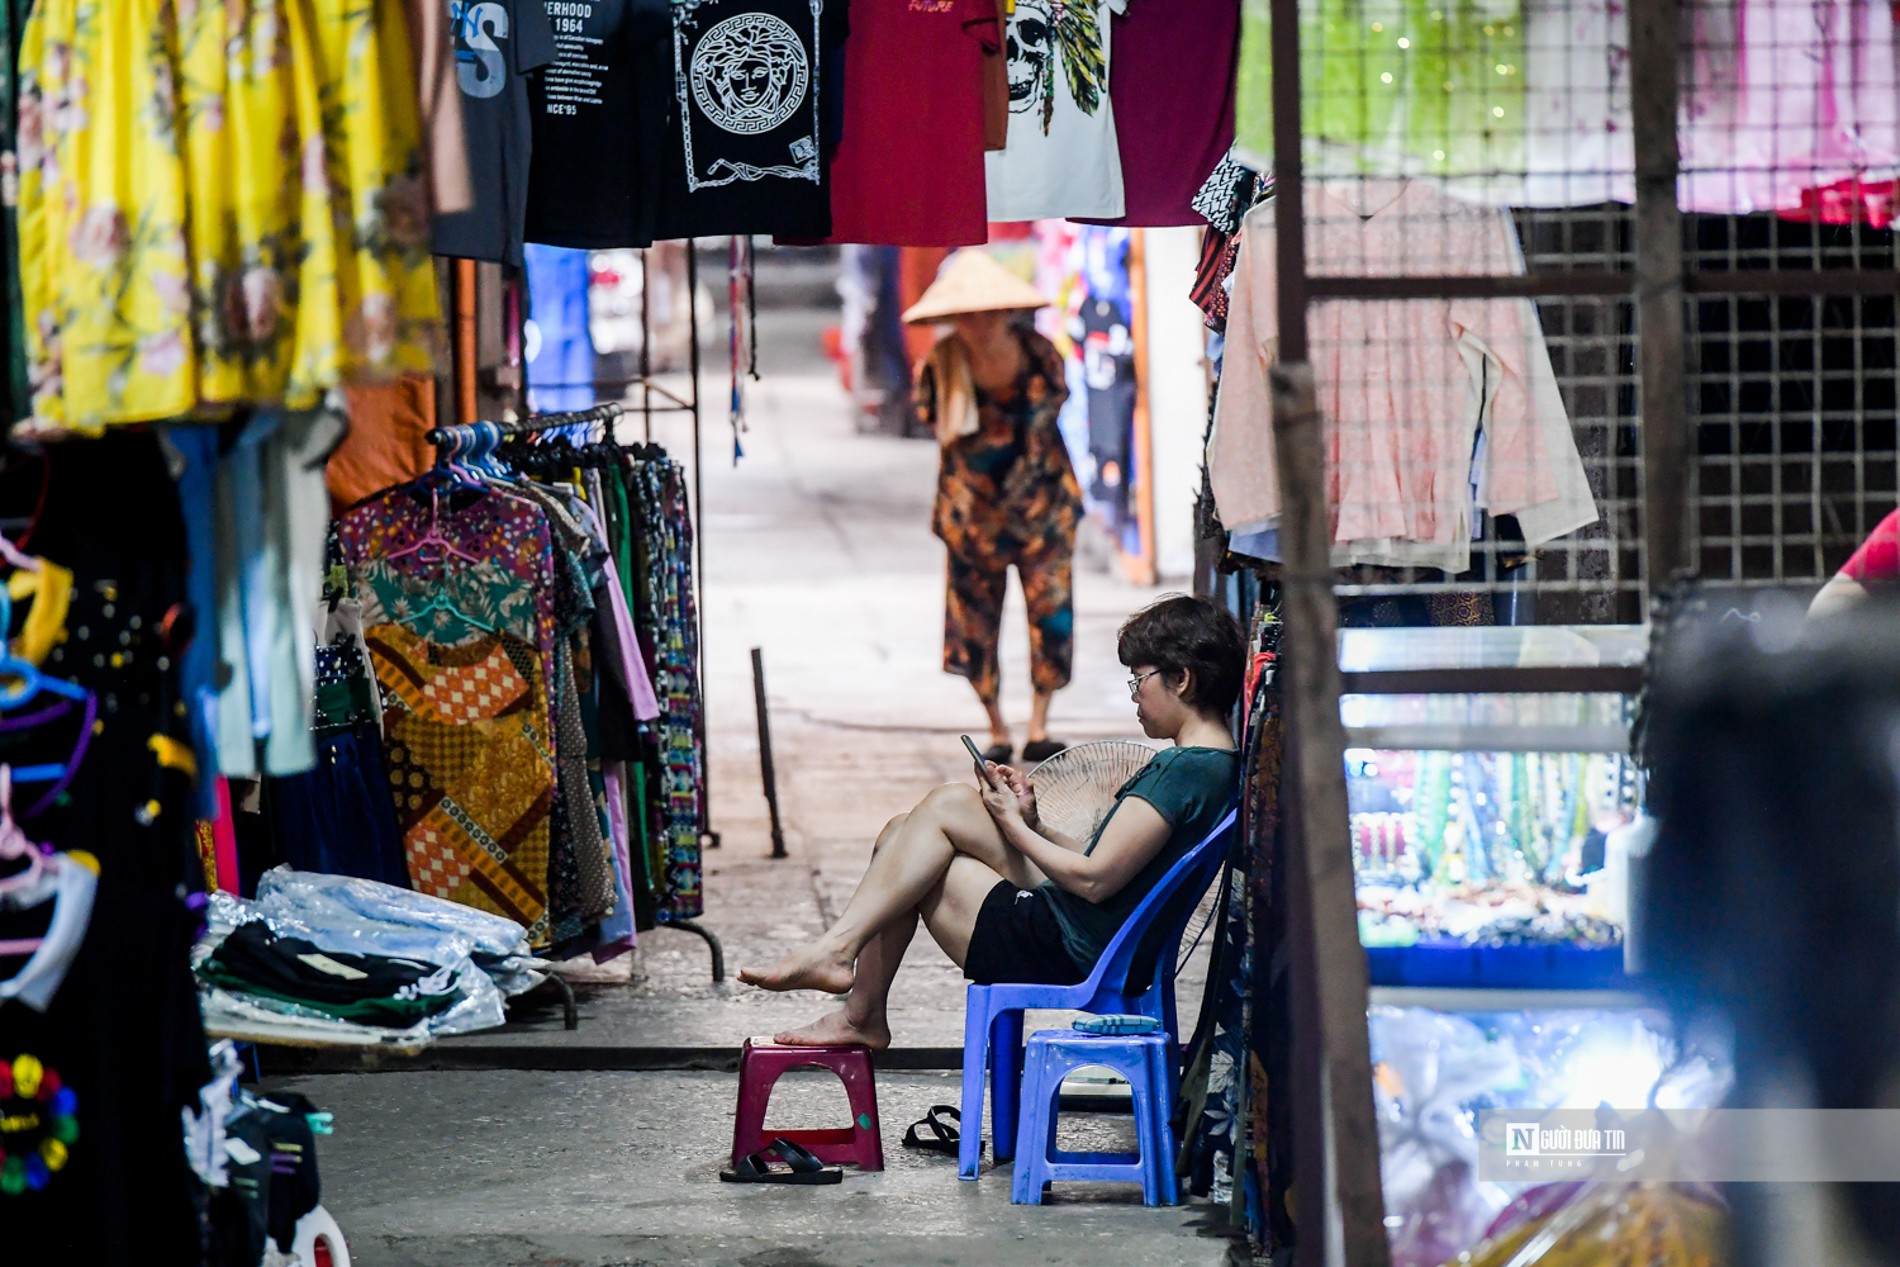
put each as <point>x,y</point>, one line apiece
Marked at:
<point>809,969</point>
<point>836,1029</point>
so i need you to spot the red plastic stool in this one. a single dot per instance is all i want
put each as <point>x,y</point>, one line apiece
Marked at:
<point>761,1061</point>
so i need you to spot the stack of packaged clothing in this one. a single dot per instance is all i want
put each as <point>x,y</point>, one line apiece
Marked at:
<point>334,959</point>
<point>369,989</point>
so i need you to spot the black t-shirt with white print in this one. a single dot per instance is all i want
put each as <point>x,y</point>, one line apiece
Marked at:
<point>600,113</point>
<point>746,150</point>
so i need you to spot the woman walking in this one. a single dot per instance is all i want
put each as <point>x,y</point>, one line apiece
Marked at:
<point>1006,495</point>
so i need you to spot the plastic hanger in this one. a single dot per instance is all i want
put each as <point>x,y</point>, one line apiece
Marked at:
<point>451,443</point>
<point>23,679</point>
<point>12,554</point>
<point>486,458</point>
<point>13,845</point>
<point>433,538</point>
<point>439,601</point>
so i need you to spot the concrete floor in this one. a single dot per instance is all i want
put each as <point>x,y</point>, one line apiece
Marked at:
<point>610,1170</point>
<point>818,551</point>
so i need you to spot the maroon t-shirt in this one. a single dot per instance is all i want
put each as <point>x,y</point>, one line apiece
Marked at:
<point>1172,82</point>
<point>909,171</point>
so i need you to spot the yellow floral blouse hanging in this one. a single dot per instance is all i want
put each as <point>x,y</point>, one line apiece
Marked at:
<point>221,203</point>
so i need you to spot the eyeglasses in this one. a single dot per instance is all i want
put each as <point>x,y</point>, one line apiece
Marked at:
<point>1134,683</point>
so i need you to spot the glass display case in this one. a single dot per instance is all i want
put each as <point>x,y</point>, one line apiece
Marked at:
<point>1492,801</point>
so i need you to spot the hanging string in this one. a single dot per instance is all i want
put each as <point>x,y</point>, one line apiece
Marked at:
<point>739,343</point>
<point>752,310</point>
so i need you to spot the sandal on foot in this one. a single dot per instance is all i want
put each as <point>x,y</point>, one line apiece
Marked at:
<point>801,1167</point>
<point>944,1136</point>
<point>1042,749</point>
<point>1000,753</point>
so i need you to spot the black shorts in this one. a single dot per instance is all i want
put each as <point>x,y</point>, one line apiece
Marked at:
<point>1017,939</point>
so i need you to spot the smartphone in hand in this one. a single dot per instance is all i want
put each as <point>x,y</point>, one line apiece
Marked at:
<point>982,770</point>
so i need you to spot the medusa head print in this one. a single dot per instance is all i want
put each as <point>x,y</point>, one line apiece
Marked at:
<point>750,73</point>
<point>1044,34</point>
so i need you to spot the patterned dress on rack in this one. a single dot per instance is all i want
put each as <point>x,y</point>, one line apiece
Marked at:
<point>470,769</point>
<point>463,836</point>
<point>669,616</point>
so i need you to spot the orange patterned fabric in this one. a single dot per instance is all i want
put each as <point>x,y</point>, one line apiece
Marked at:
<point>470,769</point>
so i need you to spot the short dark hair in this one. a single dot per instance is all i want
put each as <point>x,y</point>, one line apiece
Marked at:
<point>1179,632</point>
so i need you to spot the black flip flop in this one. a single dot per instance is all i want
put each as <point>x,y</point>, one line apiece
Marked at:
<point>802,1167</point>
<point>1040,750</point>
<point>1000,753</point>
<point>943,1137</point>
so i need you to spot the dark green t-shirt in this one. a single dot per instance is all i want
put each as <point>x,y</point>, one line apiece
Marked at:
<point>1192,789</point>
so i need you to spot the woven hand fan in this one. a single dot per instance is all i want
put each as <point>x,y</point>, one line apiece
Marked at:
<point>1076,788</point>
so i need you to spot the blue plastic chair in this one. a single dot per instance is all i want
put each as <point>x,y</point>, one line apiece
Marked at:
<point>1135,975</point>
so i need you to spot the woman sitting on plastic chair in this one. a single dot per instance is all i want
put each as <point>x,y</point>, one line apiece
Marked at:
<point>1010,899</point>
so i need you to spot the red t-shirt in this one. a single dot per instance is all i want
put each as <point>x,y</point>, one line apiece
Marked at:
<point>1878,558</point>
<point>909,171</point>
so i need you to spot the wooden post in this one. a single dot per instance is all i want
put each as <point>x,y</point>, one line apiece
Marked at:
<point>1335,979</point>
<point>1329,978</point>
<point>1655,27</point>
<point>462,289</point>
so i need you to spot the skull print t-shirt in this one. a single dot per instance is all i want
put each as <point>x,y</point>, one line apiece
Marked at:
<point>1061,160</point>
<point>747,145</point>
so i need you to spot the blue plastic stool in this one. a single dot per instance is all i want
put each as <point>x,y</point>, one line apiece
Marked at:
<point>1143,1059</point>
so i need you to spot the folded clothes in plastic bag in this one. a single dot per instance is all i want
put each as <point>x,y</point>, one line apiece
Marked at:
<point>339,927</point>
<point>498,945</point>
<point>377,989</point>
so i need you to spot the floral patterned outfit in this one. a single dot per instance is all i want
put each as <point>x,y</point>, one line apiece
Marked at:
<point>221,203</point>
<point>1007,495</point>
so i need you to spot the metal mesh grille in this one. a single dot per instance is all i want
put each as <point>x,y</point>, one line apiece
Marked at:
<point>1792,400</point>
<point>1789,130</point>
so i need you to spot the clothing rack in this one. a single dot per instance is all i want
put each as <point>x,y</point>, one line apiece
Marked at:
<point>531,425</point>
<point>609,412</point>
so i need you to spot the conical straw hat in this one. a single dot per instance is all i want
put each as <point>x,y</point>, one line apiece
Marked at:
<point>972,281</point>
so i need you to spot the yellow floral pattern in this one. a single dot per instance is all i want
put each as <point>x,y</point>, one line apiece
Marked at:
<point>221,203</point>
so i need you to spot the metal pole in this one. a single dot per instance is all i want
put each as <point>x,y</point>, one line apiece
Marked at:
<point>1661,351</point>
<point>709,839</point>
<point>1339,1151</point>
<point>768,774</point>
<point>646,342</point>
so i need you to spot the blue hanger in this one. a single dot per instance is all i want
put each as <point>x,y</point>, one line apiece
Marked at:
<point>439,601</point>
<point>449,469</point>
<point>488,438</point>
<point>22,681</point>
